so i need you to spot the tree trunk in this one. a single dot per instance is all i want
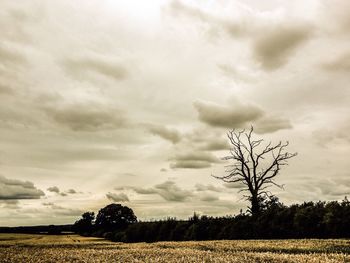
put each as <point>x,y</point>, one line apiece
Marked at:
<point>255,204</point>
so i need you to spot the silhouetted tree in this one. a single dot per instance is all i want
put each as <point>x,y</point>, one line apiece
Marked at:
<point>115,216</point>
<point>85,224</point>
<point>255,169</point>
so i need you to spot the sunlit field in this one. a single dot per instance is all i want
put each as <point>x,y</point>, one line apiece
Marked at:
<point>73,248</point>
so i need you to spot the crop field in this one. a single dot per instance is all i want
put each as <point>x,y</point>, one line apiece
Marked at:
<point>73,248</point>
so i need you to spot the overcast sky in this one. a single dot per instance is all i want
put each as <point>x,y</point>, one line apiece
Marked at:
<point>130,102</point>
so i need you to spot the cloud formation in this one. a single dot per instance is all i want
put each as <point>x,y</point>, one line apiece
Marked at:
<point>208,198</point>
<point>224,116</point>
<point>121,197</point>
<point>203,139</point>
<point>85,117</point>
<point>53,189</point>
<point>71,191</point>
<point>239,115</point>
<point>193,160</point>
<point>169,134</point>
<point>12,189</point>
<point>273,48</point>
<point>216,144</point>
<point>168,190</point>
<point>273,42</point>
<point>9,204</point>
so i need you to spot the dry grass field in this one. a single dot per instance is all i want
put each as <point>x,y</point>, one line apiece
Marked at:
<point>73,248</point>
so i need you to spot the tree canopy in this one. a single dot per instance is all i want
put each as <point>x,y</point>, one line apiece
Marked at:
<point>115,216</point>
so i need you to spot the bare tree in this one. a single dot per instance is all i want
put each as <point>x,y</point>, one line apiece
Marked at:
<point>254,166</point>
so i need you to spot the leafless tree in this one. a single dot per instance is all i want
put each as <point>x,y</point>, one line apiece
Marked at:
<point>255,166</point>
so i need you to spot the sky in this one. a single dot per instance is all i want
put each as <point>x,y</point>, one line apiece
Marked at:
<point>130,102</point>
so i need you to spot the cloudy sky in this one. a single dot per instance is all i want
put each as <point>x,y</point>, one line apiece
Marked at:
<point>130,102</point>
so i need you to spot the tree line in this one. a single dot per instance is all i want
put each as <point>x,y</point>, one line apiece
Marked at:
<point>275,221</point>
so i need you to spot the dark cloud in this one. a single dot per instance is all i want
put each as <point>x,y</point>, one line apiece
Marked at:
<point>339,64</point>
<point>80,68</point>
<point>12,189</point>
<point>224,116</point>
<point>208,198</point>
<point>71,191</point>
<point>144,191</point>
<point>273,48</point>
<point>90,117</point>
<point>171,192</point>
<point>239,115</point>
<point>215,145</point>
<point>10,204</point>
<point>53,189</point>
<point>190,164</point>
<point>203,139</point>
<point>193,160</point>
<point>171,135</point>
<point>117,197</point>
<point>168,190</point>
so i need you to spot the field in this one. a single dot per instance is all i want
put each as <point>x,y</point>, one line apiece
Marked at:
<point>73,248</point>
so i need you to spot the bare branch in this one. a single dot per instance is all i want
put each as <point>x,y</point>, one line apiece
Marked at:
<point>247,167</point>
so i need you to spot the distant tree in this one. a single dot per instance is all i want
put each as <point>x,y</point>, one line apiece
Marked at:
<point>53,230</point>
<point>114,217</point>
<point>85,224</point>
<point>255,169</point>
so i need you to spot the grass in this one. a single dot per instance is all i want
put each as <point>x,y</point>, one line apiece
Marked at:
<point>73,248</point>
